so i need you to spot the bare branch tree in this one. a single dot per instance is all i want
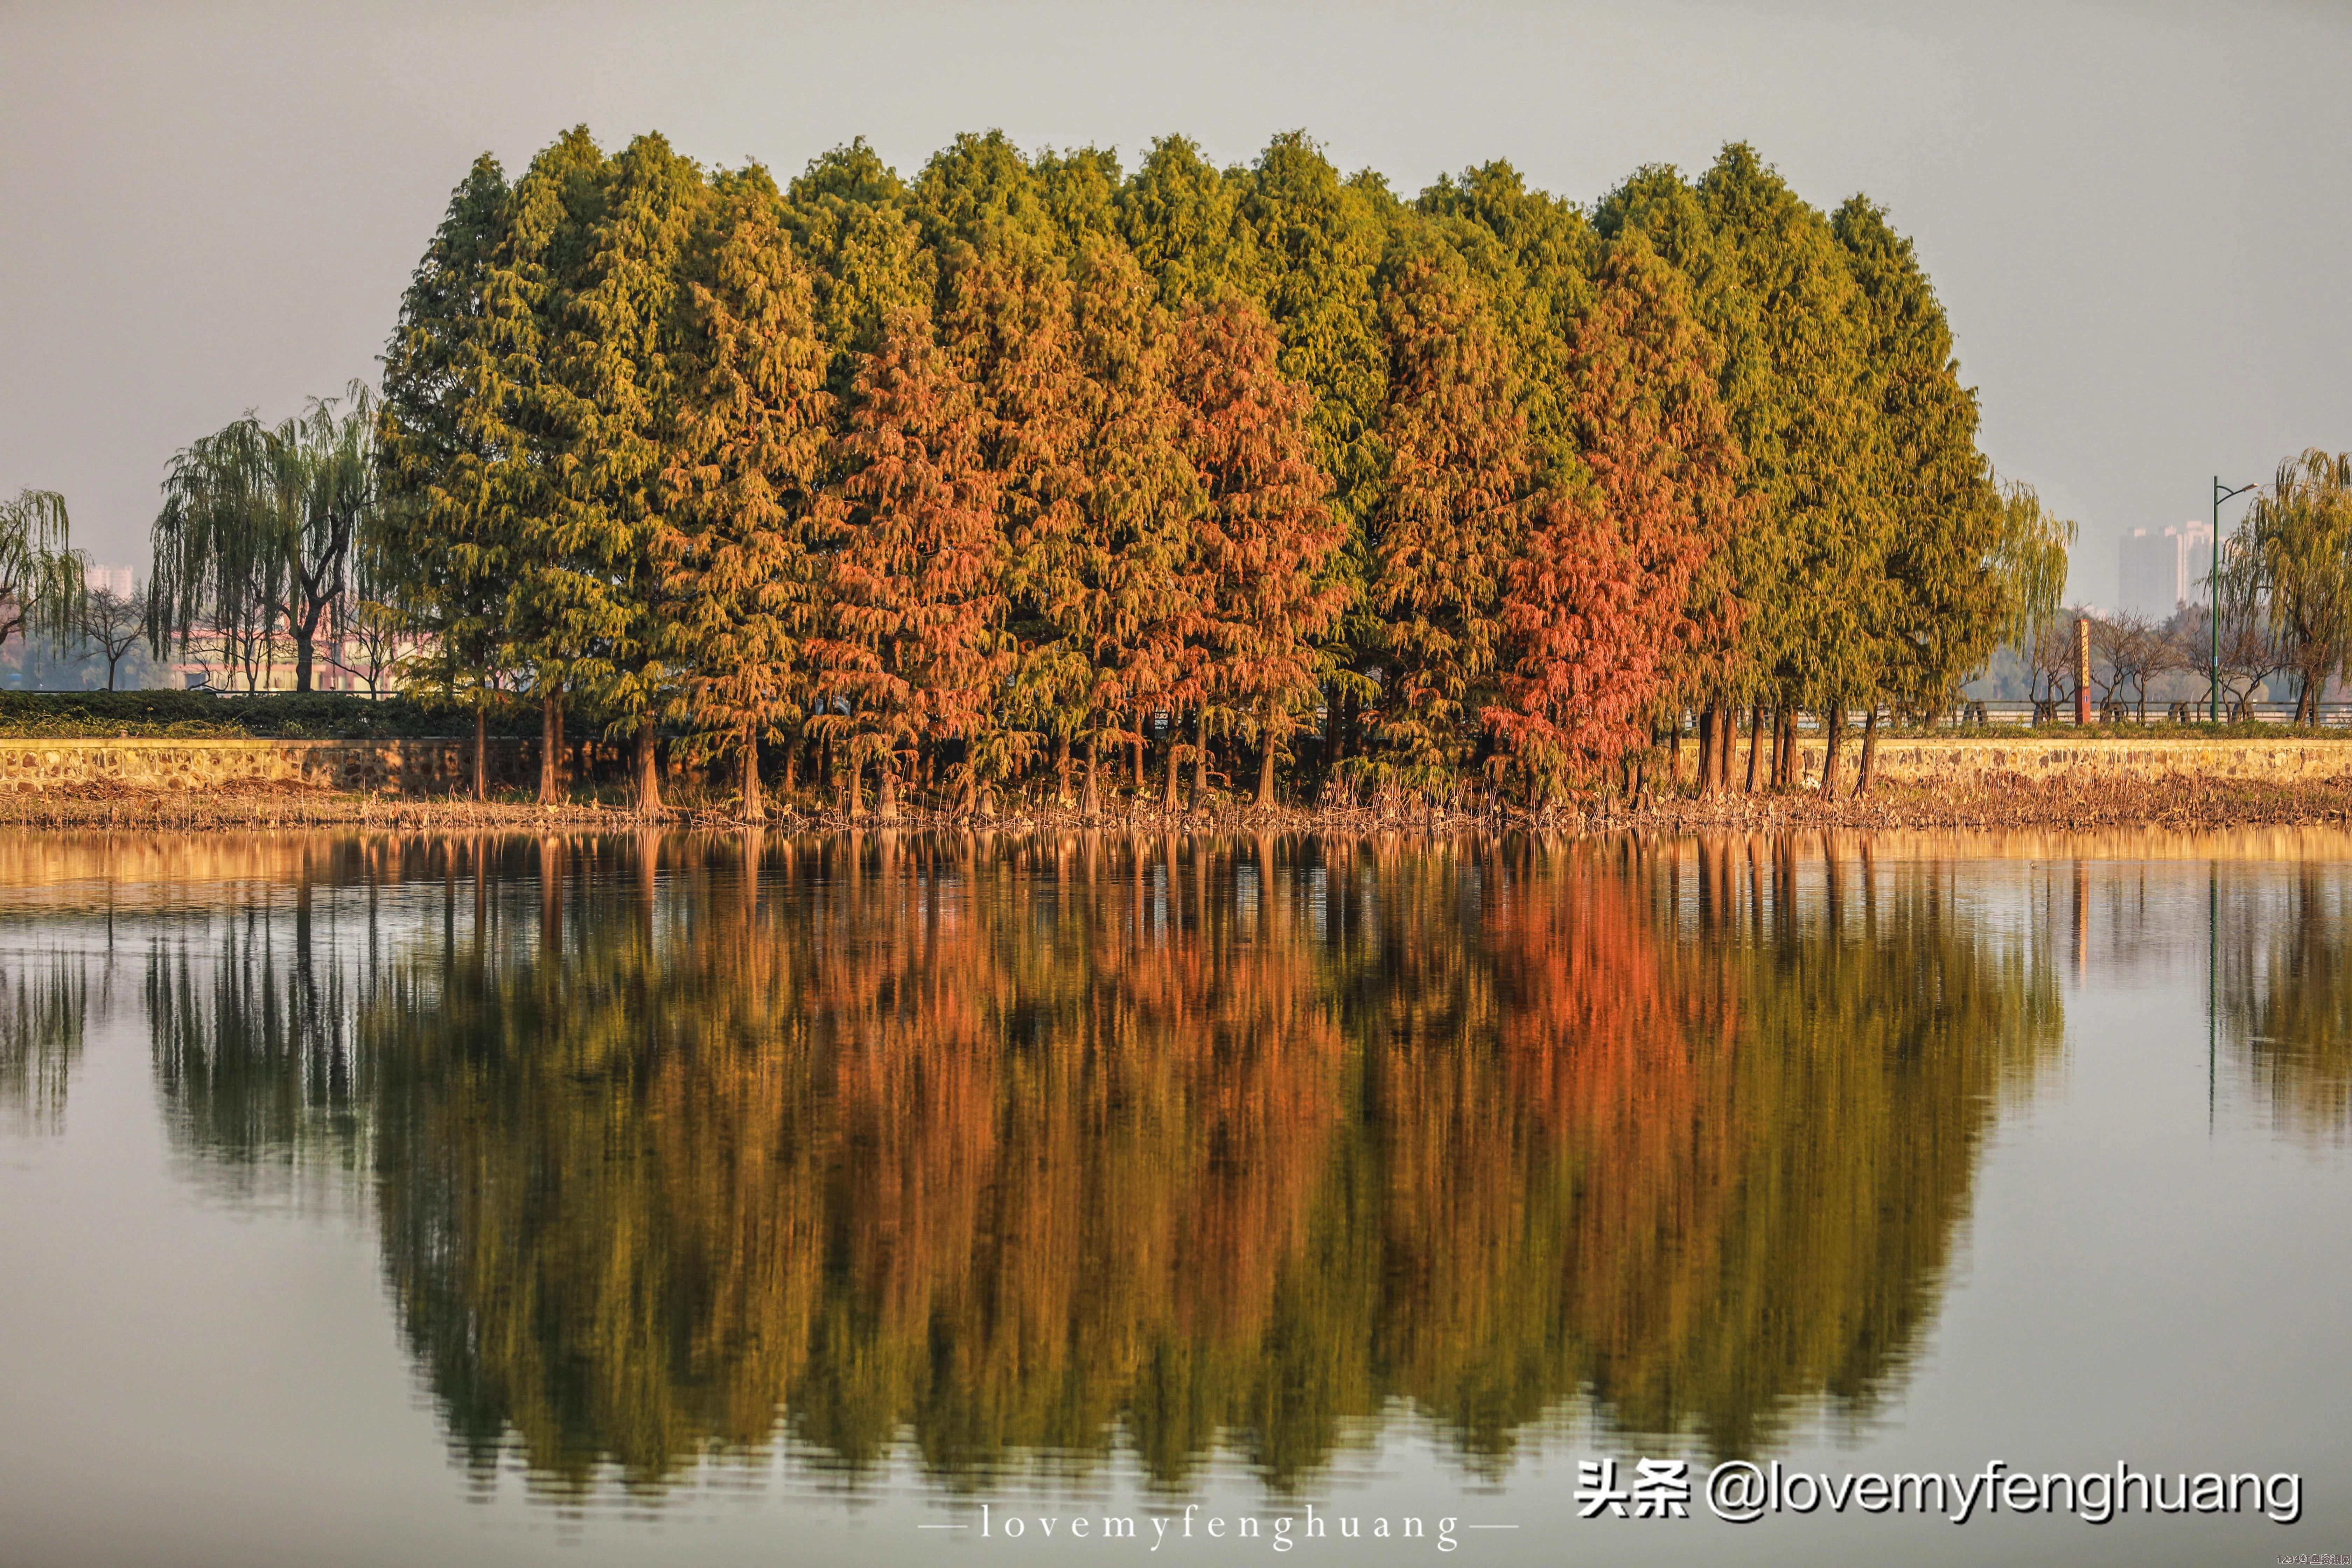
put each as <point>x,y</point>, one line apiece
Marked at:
<point>114,623</point>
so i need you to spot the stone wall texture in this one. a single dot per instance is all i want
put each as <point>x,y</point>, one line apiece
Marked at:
<point>1962,759</point>
<point>360,767</point>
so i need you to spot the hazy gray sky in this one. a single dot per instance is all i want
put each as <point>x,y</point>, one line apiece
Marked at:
<point>2137,216</point>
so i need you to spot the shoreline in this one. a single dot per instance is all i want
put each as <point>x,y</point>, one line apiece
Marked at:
<point>1978,802</point>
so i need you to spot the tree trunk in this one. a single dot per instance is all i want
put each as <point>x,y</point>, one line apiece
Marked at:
<point>1869,753</point>
<point>1091,802</point>
<point>550,749</point>
<point>1832,737</point>
<point>886,799</point>
<point>853,791</point>
<point>1167,793</point>
<point>1062,771</point>
<point>791,770</point>
<point>753,808</point>
<point>1200,758</point>
<point>1265,762</point>
<point>1755,741</point>
<point>648,770</point>
<point>481,753</point>
<point>1706,748</point>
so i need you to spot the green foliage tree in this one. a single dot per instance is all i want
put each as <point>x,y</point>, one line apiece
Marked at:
<point>440,548</point>
<point>743,533</point>
<point>41,582</point>
<point>1181,218</point>
<point>1952,598</point>
<point>2029,557</point>
<point>556,609</point>
<point>1316,244</point>
<point>1532,255</point>
<point>848,220</point>
<point>2291,567</point>
<point>1795,386</point>
<point>1454,503</point>
<point>259,526</point>
<point>609,395</point>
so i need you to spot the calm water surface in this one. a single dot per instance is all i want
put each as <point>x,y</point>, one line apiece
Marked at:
<point>695,1200</point>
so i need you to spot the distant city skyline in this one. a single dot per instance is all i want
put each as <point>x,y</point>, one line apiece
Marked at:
<point>2158,570</point>
<point>112,577</point>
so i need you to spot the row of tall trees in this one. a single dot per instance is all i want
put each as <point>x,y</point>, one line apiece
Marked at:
<point>1026,464</point>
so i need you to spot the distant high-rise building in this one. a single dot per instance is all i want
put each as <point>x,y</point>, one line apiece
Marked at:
<point>2161,570</point>
<point>114,579</point>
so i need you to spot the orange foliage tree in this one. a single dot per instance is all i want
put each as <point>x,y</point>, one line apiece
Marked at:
<point>1267,534</point>
<point>1615,596</point>
<point>917,582</point>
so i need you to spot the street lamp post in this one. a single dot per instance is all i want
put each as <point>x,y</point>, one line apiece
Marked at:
<point>2213,613</point>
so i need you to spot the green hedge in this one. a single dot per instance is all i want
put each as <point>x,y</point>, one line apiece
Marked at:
<point>275,715</point>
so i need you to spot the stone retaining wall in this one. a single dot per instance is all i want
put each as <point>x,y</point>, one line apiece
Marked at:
<point>1962,759</point>
<point>360,767</point>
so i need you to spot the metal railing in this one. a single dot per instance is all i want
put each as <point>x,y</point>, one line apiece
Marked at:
<point>2022,714</point>
<point>2060,714</point>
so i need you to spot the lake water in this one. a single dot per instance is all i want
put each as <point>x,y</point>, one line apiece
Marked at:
<point>394,1200</point>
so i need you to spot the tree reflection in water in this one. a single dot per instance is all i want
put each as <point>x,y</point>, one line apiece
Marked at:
<point>2285,998</point>
<point>44,1016</point>
<point>1025,1150</point>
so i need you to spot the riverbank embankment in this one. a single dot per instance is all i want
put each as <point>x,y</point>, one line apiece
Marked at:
<point>2065,780</point>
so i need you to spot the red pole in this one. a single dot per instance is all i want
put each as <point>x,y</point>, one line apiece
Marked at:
<point>2083,670</point>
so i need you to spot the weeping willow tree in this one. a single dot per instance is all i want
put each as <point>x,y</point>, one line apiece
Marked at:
<point>257,527</point>
<point>40,573</point>
<point>2291,569</point>
<point>2027,562</point>
<point>2028,558</point>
